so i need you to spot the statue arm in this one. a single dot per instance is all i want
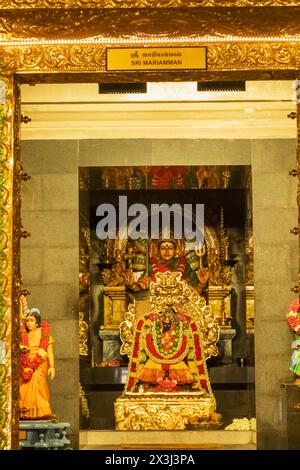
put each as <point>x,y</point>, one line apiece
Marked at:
<point>50,351</point>
<point>141,284</point>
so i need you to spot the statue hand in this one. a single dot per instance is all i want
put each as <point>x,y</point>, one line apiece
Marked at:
<point>203,275</point>
<point>42,353</point>
<point>51,373</point>
<point>129,279</point>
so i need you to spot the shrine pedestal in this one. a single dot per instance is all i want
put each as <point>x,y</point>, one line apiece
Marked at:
<point>115,305</point>
<point>43,435</point>
<point>111,344</point>
<point>225,345</point>
<point>290,395</point>
<point>162,412</point>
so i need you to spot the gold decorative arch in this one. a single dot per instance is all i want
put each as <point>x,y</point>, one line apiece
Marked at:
<point>244,39</point>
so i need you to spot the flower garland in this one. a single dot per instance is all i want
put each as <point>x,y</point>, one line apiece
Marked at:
<point>135,356</point>
<point>200,364</point>
<point>293,316</point>
<point>166,384</point>
<point>153,343</point>
<point>29,365</point>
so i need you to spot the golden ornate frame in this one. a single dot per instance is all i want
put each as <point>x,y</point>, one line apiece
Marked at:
<point>263,42</point>
<point>27,4</point>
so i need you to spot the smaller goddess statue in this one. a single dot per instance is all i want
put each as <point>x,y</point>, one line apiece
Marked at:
<point>37,363</point>
<point>293,318</point>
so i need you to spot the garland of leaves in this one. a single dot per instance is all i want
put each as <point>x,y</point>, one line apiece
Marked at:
<point>167,344</point>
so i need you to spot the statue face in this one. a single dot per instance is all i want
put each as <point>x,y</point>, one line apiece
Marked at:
<point>167,250</point>
<point>31,322</point>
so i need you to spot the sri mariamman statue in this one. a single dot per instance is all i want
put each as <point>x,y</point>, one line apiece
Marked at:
<point>37,363</point>
<point>168,385</point>
<point>167,354</point>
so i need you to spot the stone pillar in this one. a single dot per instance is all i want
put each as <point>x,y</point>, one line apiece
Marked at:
<point>275,271</point>
<point>50,261</point>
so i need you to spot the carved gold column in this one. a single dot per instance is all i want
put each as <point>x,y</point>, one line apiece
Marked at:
<point>296,172</point>
<point>115,304</point>
<point>10,231</point>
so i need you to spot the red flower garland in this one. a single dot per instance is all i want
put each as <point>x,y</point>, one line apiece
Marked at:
<point>293,316</point>
<point>295,306</point>
<point>29,365</point>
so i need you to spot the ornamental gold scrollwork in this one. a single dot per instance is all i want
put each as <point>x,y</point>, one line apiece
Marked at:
<point>83,335</point>
<point>5,332</point>
<point>256,56</point>
<point>84,406</point>
<point>53,58</point>
<point>87,57</point>
<point>27,4</point>
<point>16,272</point>
<point>126,330</point>
<point>137,413</point>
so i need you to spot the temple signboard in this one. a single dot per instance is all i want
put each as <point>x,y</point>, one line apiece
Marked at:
<point>156,58</point>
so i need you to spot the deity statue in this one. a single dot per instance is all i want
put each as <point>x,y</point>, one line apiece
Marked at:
<point>37,363</point>
<point>168,355</point>
<point>293,317</point>
<point>168,255</point>
<point>168,385</point>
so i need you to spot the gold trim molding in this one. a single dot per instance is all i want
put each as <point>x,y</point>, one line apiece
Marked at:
<point>9,265</point>
<point>31,4</point>
<point>150,23</point>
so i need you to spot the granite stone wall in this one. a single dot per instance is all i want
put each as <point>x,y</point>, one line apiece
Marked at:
<point>50,260</point>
